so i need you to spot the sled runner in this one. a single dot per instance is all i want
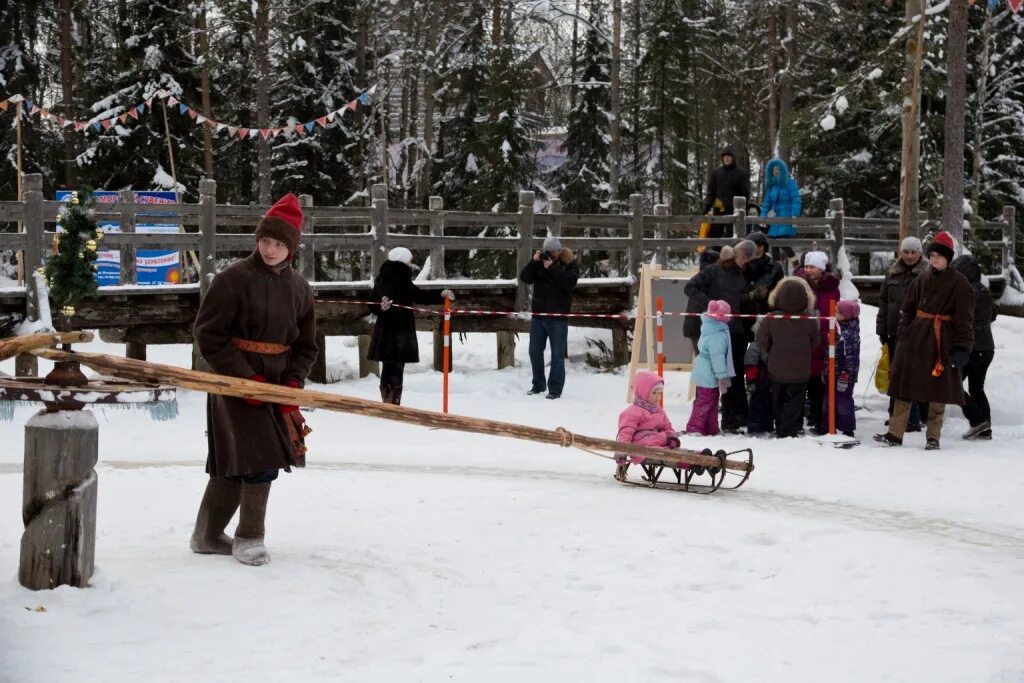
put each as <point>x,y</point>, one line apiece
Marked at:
<point>692,479</point>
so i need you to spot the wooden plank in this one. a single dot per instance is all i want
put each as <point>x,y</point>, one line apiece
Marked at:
<point>26,342</point>
<point>13,240</point>
<point>244,388</point>
<point>142,240</point>
<point>114,210</point>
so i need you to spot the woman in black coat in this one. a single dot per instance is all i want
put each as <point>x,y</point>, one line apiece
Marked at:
<point>394,335</point>
<point>976,407</point>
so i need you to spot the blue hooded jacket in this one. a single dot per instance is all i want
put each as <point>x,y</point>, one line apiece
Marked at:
<point>782,196</point>
<point>714,354</point>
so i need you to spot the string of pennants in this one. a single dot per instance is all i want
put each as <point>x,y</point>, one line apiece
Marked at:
<point>1015,5</point>
<point>31,108</point>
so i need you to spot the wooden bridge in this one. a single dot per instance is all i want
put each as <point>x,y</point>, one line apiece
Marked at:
<point>140,315</point>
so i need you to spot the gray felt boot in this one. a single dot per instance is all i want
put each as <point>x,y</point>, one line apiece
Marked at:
<point>248,546</point>
<point>218,507</point>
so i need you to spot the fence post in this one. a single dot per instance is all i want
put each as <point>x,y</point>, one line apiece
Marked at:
<point>1009,242</point>
<point>525,249</point>
<point>636,239</point>
<point>379,195</point>
<point>207,251</point>
<point>838,235</point>
<point>436,204</point>
<point>307,245</point>
<point>662,233</point>
<point>739,217</point>
<point>34,224</point>
<point>126,198</point>
<point>555,226</point>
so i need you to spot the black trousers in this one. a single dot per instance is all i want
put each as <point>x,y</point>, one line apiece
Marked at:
<point>788,408</point>
<point>976,408</point>
<point>734,402</point>
<point>815,400</point>
<point>391,374</point>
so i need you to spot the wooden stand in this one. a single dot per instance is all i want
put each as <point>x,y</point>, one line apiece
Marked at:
<point>59,503</point>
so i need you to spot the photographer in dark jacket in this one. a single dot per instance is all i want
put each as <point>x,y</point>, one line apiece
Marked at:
<point>553,272</point>
<point>976,407</point>
<point>726,181</point>
<point>691,323</point>
<point>725,280</point>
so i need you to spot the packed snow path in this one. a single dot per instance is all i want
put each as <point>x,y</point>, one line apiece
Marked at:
<point>410,554</point>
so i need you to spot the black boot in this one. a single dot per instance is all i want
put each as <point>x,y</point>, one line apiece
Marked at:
<point>248,545</point>
<point>218,507</point>
<point>888,439</point>
<point>396,395</point>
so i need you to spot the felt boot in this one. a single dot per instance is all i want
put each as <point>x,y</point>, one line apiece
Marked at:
<point>248,546</point>
<point>218,507</point>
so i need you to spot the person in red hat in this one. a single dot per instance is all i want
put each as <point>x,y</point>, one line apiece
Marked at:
<point>256,322</point>
<point>935,336</point>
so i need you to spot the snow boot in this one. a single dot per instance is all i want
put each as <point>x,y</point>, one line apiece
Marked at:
<point>931,445</point>
<point>976,431</point>
<point>888,439</point>
<point>248,546</point>
<point>390,393</point>
<point>218,507</point>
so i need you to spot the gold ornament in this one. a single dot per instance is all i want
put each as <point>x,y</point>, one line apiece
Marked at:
<point>41,270</point>
<point>58,219</point>
<point>74,198</point>
<point>99,233</point>
<point>91,245</point>
<point>68,311</point>
<point>81,255</point>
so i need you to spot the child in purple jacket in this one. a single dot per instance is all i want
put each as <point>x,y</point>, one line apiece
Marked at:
<point>847,366</point>
<point>645,422</point>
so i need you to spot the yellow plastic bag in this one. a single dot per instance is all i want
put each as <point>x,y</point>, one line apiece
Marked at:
<point>882,372</point>
<point>705,228</point>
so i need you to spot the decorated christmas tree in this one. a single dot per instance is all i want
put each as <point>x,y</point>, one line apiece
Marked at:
<point>71,269</point>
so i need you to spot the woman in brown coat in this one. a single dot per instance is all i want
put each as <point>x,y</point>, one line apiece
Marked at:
<point>936,333</point>
<point>256,322</point>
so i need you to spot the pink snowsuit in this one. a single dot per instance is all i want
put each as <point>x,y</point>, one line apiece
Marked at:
<point>643,422</point>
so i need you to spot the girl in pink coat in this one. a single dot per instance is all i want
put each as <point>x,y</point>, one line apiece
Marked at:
<point>645,421</point>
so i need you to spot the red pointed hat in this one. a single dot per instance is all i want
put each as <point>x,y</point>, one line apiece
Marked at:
<point>283,222</point>
<point>942,244</point>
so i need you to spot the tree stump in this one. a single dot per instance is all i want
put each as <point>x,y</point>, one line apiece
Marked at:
<point>59,500</point>
<point>506,349</point>
<point>367,367</point>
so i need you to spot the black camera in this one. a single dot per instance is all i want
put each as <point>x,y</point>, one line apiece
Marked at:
<point>546,256</point>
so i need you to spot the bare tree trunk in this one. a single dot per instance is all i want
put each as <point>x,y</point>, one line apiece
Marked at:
<point>772,30</point>
<point>786,88</point>
<point>979,117</point>
<point>614,128</point>
<point>67,83</point>
<point>429,89</point>
<point>496,22</point>
<point>263,97</point>
<point>956,93</point>
<point>204,84</point>
<point>637,36</point>
<point>910,158</point>
<point>575,56</point>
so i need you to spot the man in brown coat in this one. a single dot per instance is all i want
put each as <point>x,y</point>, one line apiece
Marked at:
<point>256,322</point>
<point>936,333</point>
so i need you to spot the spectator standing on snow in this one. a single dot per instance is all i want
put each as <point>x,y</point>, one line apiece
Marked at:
<point>256,322</point>
<point>788,345</point>
<point>781,200</point>
<point>760,413</point>
<point>691,323</point>
<point>825,286</point>
<point>713,369</point>
<point>847,367</point>
<point>976,407</point>
<point>724,183</point>
<point>936,335</point>
<point>553,272</point>
<point>394,342</point>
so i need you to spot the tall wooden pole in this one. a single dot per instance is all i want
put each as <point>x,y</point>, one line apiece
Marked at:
<point>614,128</point>
<point>956,96</point>
<point>21,226</point>
<point>911,154</point>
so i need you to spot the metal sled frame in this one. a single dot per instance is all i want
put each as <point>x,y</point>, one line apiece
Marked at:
<point>654,469</point>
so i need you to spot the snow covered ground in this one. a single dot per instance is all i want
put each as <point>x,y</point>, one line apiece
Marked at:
<point>403,554</point>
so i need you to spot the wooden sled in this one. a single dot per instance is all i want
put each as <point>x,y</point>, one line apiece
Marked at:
<point>691,479</point>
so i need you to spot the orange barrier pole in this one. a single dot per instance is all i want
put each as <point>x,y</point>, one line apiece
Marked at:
<point>832,370</point>
<point>447,350</point>
<point>659,307</point>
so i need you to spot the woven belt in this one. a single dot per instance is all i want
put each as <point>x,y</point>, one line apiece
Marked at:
<point>266,348</point>
<point>937,321</point>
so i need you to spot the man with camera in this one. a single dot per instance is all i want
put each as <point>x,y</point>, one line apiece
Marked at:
<point>553,272</point>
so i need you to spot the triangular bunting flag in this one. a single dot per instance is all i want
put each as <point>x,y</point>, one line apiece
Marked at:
<point>232,130</point>
<point>372,90</point>
<point>364,99</point>
<point>79,125</point>
<point>16,98</point>
<point>322,121</point>
<point>172,100</point>
<point>265,132</point>
<point>253,132</point>
<point>123,117</point>
<point>353,104</point>
<point>309,126</point>
<point>243,132</point>
<point>107,123</point>
<point>62,121</point>
<point>298,128</point>
<point>182,108</point>
<point>1015,4</point>
<point>222,126</point>
<point>193,114</point>
<point>44,113</point>
<point>200,119</point>
<point>3,105</point>
<point>29,106</point>
<point>330,117</point>
<point>134,112</point>
<point>96,125</point>
<point>142,107</point>
<point>275,132</point>
<point>35,109</point>
<point>149,103</point>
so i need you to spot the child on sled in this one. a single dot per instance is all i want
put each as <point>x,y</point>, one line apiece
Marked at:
<point>645,422</point>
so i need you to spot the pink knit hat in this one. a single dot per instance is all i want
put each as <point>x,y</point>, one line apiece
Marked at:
<point>644,383</point>
<point>848,308</point>
<point>719,310</point>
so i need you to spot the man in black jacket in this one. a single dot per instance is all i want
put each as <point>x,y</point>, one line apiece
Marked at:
<point>553,272</point>
<point>726,182</point>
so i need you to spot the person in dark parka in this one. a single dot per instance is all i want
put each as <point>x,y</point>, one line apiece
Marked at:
<point>825,286</point>
<point>976,407</point>
<point>936,335</point>
<point>691,323</point>
<point>394,343</point>
<point>725,280</point>
<point>256,322</point>
<point>724,183</point>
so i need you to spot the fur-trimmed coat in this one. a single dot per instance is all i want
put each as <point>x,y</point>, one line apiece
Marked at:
<point>943,292</point>
<point>788,343</point>
<point>723,280</point>
<point>255,302</point>
<point>892,294</point>
<point>394,334</point>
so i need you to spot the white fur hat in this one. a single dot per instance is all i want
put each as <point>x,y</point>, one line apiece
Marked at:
<point>818,259</point>
<point>400,254</point>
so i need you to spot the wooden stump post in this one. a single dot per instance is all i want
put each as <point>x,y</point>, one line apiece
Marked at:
<point>59,503</point>
<point>620,346</point>
<point>437,271</point>
<point>367,367</point>
<point>318,373</point>
<point>506,349</point>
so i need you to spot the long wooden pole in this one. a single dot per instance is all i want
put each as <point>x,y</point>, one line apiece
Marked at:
<point>143,371</point>
<point>28,342</point>
<point>21,225</point>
